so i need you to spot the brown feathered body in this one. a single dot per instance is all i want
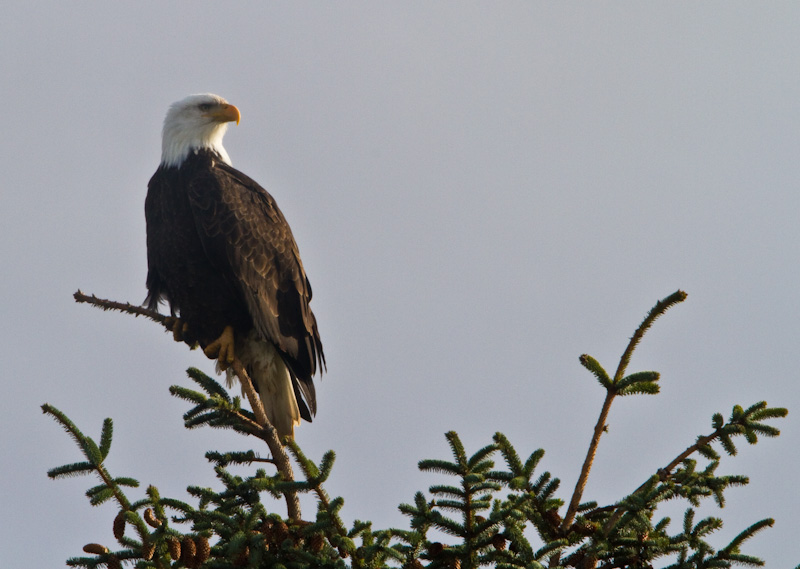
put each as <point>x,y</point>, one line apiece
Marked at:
<point>220,252</point>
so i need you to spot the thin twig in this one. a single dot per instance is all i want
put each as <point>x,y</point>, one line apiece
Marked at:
<point>267,460</point>
<point>126,307</point>
<point>267,431</point>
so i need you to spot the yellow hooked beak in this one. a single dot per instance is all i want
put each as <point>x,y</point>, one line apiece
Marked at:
<point>226,113</point>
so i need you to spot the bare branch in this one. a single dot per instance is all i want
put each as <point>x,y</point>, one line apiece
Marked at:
<point>126,307</point>
<point>577,494</point>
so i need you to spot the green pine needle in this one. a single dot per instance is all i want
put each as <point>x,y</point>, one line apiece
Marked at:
<point>68,470</point>
<point>326,465</point>
<point>640,389</point>
<point>188,394</point>
<point>440,466</point>
<point>509,453</point>
<point>92,451</point>
<point>232,457</point>
<point>210,385</point>
<point>727,444</point>
<point>65,422</point>
<point>640,377</point>
<point>105,437</point>
<point>451,491</point>
<point>760,411</point>
<point>660,308</point>
<point>733,546</point>
<point>477,462</point>
<point>102,495</point>
<point>457,448</point>
<point>594,366</point>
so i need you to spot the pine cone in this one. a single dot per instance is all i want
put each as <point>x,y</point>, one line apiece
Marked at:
<point>151,518</point>
<point>553,518</point>
<point>242,558</point>
<point>499,542</point>
<point>119,525</point>
<point>316,542</point>
<point>435,549</point>
<point>280,532</point>
<point>174,548</point>
<point>203,550</point>
<point>188,551</point>
<point>148,550</point>
<point>584,528</point>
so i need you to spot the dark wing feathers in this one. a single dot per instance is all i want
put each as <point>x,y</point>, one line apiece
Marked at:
<point>245,234</point>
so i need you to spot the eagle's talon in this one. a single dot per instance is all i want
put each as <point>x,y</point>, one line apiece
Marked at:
<point>221,349</point>
<point>178,328</point>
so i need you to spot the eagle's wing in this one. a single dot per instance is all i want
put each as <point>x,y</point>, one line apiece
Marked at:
<point>246,236</point>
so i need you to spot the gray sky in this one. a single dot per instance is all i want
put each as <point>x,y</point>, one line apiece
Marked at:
<point>481,192</point>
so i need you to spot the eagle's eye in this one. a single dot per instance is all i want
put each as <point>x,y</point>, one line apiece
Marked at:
<point>205,107</point>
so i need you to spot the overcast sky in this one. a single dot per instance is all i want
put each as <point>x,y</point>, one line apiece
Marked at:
<point>481,192</point>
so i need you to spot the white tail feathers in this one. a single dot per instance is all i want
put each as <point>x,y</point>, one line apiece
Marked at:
<point>271,379</point>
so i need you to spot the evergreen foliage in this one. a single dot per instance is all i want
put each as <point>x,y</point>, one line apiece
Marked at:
<point>491,507</point>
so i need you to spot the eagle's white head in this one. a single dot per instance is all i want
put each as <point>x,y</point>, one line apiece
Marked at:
<point>198,121</point>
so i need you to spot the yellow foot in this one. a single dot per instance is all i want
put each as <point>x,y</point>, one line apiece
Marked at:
<point>178,328</point>
<point>221,349</point>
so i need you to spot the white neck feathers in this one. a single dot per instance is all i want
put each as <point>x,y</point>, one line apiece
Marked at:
<point>180,139</point>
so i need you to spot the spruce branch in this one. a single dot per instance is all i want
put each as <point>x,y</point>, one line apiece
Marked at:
<point>110,487</point>
<point>660,308</point>
<point>126,307</point>
<point>219,410</point>
<point>643,382</point>
<point>741,422</point>
<point>268,432</point>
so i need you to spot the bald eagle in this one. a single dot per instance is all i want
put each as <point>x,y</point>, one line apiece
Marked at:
<point>221,254</point>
